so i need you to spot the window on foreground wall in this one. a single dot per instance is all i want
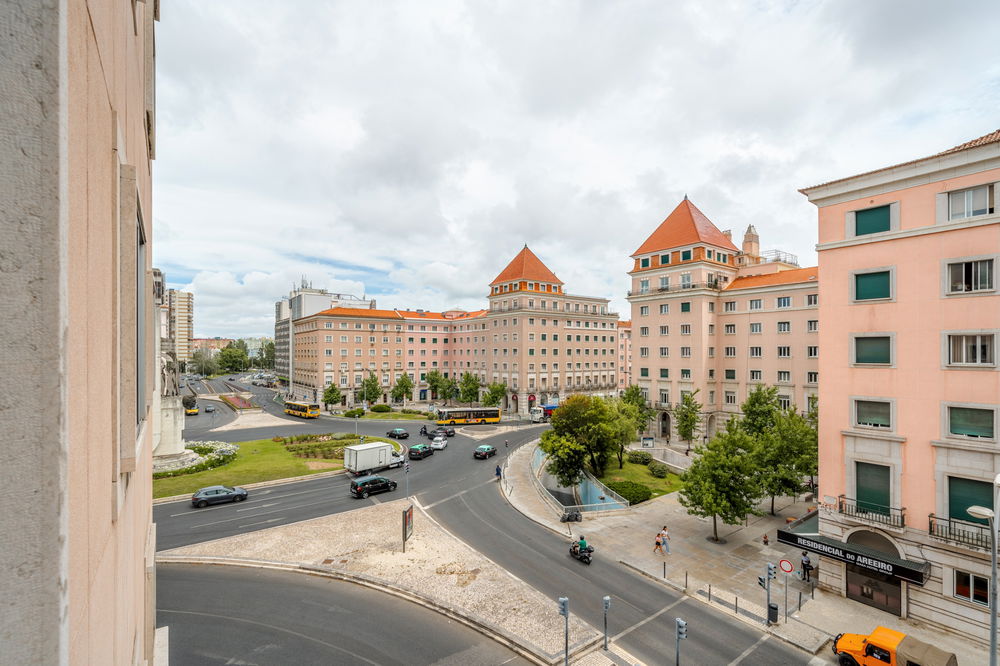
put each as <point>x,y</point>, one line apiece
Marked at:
<point>872,286</point>
<point>873,414</point>
<point>873,350</point>
<point>971,349</point>
<point>971,422</point>
<point>871,221</point>
<point>971,587</point>
<point>966,276</point>
<point>969,203</point>
<point>963,493</point>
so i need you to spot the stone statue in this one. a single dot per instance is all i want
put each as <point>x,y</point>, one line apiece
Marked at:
<point>169,385</point>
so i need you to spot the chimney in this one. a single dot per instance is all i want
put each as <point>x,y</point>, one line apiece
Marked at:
<point>728,234</point>
<point>751,242</point>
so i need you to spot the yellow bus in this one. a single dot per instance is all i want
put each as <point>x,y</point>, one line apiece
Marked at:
<point>303,409</point>
<point>456,415</point>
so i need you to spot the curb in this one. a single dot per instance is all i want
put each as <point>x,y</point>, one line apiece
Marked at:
<point>677,588</point>
<point>492,632</point>
<point>507,499</point>
<point>259,484</point>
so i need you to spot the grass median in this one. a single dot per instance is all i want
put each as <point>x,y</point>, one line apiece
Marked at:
<point>640,474</point>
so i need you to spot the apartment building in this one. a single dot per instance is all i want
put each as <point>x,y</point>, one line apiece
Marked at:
<point>76,536</point>
<point>910,396</point>
<point>180,322</point>
<point>710,317</point>
<point>539,341</point>
<point>210,346</point>
<point>624,355</point>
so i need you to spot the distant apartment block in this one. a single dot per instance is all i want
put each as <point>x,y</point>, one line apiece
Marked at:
<point>624,355</point>
<point>539,341</point>
<point>910,397</point>
<point>710,317</point>
<point>210,346</point>
<point>179,310</point>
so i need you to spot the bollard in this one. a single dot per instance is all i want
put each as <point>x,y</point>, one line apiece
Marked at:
<point>710,592</point>
<point>664,569</point>
<point>685,581</point>
<point>737,605</point>
<point>800,599</point>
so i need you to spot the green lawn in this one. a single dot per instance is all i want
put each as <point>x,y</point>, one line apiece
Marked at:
<point>640,474</point>
<point>259,460</point>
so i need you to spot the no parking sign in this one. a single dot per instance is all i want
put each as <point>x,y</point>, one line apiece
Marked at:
<point>786,566</point>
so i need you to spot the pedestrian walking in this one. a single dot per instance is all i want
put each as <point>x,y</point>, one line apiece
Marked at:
<point>806,566</point>
<point>664,536</point>
<point>498,472</point>
<point>658,548</point>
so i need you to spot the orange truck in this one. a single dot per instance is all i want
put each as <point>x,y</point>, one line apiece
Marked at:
<point>888,647</point>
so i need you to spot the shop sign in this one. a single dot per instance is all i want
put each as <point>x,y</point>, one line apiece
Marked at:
<point>913,572</point>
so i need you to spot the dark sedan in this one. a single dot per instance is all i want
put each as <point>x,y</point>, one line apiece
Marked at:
<point>398,433</point>
<point>484,451</point>
<point>448,431</point>
<point>369,485</point>
<point>420,451</point>
<point>218,495</point>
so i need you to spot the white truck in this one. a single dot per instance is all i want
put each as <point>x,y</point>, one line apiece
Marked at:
<point>368,458</point>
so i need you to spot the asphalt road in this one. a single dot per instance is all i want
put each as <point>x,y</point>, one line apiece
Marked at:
<point>216,616</point>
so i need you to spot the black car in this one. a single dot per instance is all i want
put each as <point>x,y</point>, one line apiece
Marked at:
<point>209,408</point>
<point>420,451</point>
<point>484,451</point>
<point>448,431</point>
<point>398,433</point>
<point>218,495</point>
<point>369,485</point>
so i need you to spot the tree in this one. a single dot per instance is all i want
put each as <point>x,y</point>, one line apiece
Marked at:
<point>775,456</point>
<point>625,421</point>
<point>801,432</point>
<point>587,420</point>
<point>468,388</point>
<point>722,480</point>
<point>189,402</point>
<point>203,363</point>
<point>449,388</point>
<point>232,358</point>
<point>760,409</point>
<point>332,395</point>
<point>687,416</point>
<point>371,389</point>
<point>566,457</point>
<point>494,395</point>
<point>268,353</point>
<point>435,381</point>
<point>633,395</point>
<point>402,388</point>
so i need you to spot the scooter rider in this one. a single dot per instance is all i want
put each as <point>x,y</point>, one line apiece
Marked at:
<point>581,545</point>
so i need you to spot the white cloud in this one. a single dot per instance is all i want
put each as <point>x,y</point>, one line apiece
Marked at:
<point>410,149</point>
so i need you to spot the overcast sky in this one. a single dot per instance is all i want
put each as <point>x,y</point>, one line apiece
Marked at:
<point>407,150</point>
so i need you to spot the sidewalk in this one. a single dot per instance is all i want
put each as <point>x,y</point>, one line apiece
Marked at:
<point>725,572</point>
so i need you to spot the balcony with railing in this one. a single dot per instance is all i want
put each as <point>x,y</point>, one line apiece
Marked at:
<point>952,530</point>
<point>684,286</point>
<point>868,512</point>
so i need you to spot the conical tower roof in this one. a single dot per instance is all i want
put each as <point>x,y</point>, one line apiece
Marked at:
<point>686,225</point>
<point>526,266</point>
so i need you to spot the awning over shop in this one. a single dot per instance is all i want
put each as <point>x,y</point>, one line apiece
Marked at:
<point>804,534</point>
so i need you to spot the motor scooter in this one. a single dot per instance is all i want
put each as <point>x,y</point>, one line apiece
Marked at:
<point>585,556</point>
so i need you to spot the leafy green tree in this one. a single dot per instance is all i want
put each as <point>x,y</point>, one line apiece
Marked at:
<point>494,394</point>
<point>687,416</point>
<point>403,388</point>
<point>624,423</point>
<point>203,363</point>
<point>332,395</point>
<point>566,457</point>
<point>189,402</point>
<point>435,382</point>
<point>633,395</point>
<point>240,344</point>
<point>722,480</point>
<point>587,420</point>
<point>232,358</point>
<point>468,388</point>
<point>801,432</point>
<point>268,354</point>
<point>760,410</point>
<point>449,389</point>
<point>775,457</point>
<point>371,389</point>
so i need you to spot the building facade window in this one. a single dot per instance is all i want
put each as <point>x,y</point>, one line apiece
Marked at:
<point>970,203</point>
<point>873,285</point>
<point>664,374</point>
<point>812,299</point>
<point>872,350</point>
<point>685,329</point>
<point>872,220</point>
<point>730,329</point>
<point>643,310</point>
<point>972,422</point>
<point>755,327</point>
<point>729,306</point>
<point>972,349</point>
<point>972,587</point>
<point>730,374</point>
<point>685,373</point>
<point>644,372</point>
<point>756,352</point>
<point>686,306</point>
<point>783,302</point>
<point>664,308</point>
<point>873,414</point>
<point>756,304</point>
<point>812,351</point>
<point>784,327</point>
<point>812,377</point>
<point>873,490</point>
<point>730,397</point>
<point>784,352</point>
<point>730,352</point>
<point>784,376</point>
<point>685,352</point>
<point>756,375</point>
<point>970,276</point>
<point>812,325</point>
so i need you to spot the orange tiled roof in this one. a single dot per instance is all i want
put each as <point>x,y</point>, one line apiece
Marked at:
<point>984,140</point>
<point>526,266</point>
<point>686,225</point>
<point>625,324</point>
<point>790,276</point>
<point>360,312</point>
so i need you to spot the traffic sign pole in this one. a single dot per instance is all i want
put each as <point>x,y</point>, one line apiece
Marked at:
<point>787,567</point>
<point>406,475</point>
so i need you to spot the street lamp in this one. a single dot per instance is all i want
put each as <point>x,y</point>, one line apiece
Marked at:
<point>989,515</point>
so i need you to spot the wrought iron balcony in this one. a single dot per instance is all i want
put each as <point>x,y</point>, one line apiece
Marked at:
<point>960,531</point>
<point>889,516</point>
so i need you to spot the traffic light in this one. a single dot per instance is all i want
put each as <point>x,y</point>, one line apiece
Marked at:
<point>761,581</point>
<point>771,573</point>
<point>682,629</point>
<point>564,606</point>
<point>607,603</point>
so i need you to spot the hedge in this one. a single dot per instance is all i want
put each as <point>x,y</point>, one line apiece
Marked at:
<point>354,413</point>
<point>631,491</point>
<point>216,454</point>
<point>640,457</point>
<point>658,469</point>
<point>381,408</point>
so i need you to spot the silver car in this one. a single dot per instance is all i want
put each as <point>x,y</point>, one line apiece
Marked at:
<point>439,442</point>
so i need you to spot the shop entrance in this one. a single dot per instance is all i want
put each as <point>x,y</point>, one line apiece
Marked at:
<point>873,588</point>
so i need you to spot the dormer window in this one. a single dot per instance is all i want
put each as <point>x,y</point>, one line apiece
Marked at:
<point>709,253</point>
<point>644,262</point>
<point>685,255</point>
<point>664,259</point>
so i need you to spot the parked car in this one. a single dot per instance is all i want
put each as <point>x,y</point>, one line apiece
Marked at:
<point>218,495</point>
<point>484,451</point>
<point>398,433</point>
<point>439,443</point>
<point>209,408</point>
<point>369,485</point>
<point>420,451</point>
<point>888,646</point>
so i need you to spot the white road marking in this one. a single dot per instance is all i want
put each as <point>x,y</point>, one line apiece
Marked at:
<point>451,497</point>
<point>262,506</point>
<point>250,501</point>
<point>652,617</point>
<point>750,649</point>
<point>263,522</point>
<point>229,520</point>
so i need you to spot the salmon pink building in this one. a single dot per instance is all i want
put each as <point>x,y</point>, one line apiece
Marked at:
<point>536,339</point>
<point>711,317</point>
<point>910,391</point>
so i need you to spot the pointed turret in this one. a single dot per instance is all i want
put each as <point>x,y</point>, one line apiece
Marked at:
<point>686,225</point>
<point>526,266</point>
<point>751,242</point>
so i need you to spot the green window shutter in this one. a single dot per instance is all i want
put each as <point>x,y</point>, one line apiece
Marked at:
<point>871,413</point>
<point>685,255</point>
<point>730,374</point>
<point>872,285</point>
<point>664,259</point>
<point>873,487</point>
<point>644,263</point>
<point>963,493</point>
<point>872,350</point>
<point>664,373</point>
<point>970,422</point>
<point>871,221</point>
<point>685,307</point>
<point>644,372</point>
